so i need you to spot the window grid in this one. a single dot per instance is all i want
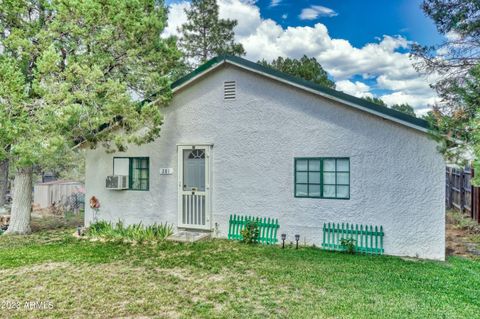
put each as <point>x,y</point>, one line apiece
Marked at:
<point>139,173</point>
<point>322,172</point>
<point>309,169</point>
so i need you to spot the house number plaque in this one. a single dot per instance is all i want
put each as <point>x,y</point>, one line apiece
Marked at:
<point>166,171</point>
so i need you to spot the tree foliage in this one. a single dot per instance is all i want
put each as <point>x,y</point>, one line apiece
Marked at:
<point>456,60</point>
<point>459,21</point>
<point>305,68</point>
<point>205,35</point>
<point>375,100</point>
<point>405,108</point>
<point>70,68</point>
<point>69,72</point>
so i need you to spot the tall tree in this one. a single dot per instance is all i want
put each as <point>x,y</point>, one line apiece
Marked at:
<point>456,60</point>
<point>69,72</point>
<point>459,21</point>
<point>375,100</point>
<point>205,35</point>
<point>3,182</point>
<point>405,108</point>
<point>306,68</point>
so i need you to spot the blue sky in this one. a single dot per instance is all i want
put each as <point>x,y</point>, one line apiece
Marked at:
<point>359,21</point>
<point>362,44</point>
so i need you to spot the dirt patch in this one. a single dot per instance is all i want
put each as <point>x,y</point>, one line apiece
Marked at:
<point>50,222</point>
<point>35,268</point>
<point>459,235</point>
<point>178,273</point>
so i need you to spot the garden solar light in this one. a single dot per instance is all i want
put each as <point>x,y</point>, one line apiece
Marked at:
<point>284,236</point>
<point>297,238</point>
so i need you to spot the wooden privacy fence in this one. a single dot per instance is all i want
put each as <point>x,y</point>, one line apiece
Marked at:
<point>367,239</point>
<point>460,194</point>
<point>268,228</point>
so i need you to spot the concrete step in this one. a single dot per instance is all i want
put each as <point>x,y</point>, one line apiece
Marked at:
<point>189,236</point>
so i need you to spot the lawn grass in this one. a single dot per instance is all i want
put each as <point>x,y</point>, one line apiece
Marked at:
<point>221,279</point>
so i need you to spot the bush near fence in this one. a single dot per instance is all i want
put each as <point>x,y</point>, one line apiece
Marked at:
<point>268,228</point>
<point>368,239</point>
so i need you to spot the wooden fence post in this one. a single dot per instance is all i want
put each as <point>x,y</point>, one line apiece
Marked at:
<point>476,199</point>
<point>450,192</point>
<point>462,190</point>
<point>471,193</point>
<point>475,212</point>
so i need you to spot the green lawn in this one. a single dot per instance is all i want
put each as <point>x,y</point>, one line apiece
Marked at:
<point>83,279</point>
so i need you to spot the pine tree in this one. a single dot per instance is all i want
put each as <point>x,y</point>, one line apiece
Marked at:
<point>205,35</point>
<point>3,182</point>
<point>405,108</point>
<point>456,60</point>
<point>375,100</point>
<point>67,73</point>
<point>305,68</point>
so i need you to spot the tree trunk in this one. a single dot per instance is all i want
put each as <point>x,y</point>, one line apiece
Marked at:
<point>22,203</point>
<point>3,181</point>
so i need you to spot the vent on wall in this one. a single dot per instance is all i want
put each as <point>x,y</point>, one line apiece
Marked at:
<point>229,90</point>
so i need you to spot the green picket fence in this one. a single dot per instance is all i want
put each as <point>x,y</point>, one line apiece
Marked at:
<point>368,239</point>
<point>268,228</point>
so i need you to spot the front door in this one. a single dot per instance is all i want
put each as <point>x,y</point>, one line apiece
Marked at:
<point>194,187</point>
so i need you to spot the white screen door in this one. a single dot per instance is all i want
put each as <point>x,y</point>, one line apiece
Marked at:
<point>194,187</point>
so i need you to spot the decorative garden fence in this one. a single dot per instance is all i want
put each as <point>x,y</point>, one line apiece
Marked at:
<point>268,228</point>
<point>367,239</point>
<point>460,194</point>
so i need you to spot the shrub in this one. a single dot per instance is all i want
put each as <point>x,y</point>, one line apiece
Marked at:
<point>99,228</point>
<point>251,232</point>
<point>47,222</point>
<point>462,221</point>
<point>348,244</point>
<point>136,232</point>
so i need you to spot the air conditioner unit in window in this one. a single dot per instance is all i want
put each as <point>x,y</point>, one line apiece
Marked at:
<point>117,182</point>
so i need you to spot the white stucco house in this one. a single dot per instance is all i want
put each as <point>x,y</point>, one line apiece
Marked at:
<point>240,138</point>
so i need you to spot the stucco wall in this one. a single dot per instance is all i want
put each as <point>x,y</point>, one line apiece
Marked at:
<point>397,176</point>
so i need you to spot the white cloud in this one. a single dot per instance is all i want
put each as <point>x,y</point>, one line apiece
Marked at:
<point>453,36</point>
<point>176,17</point>
<point>275,3</point>
<point>244,11</point>
<point>357,88</point>
<point>313,12</point>
<point>381,61</point>
<point>419,102</point>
